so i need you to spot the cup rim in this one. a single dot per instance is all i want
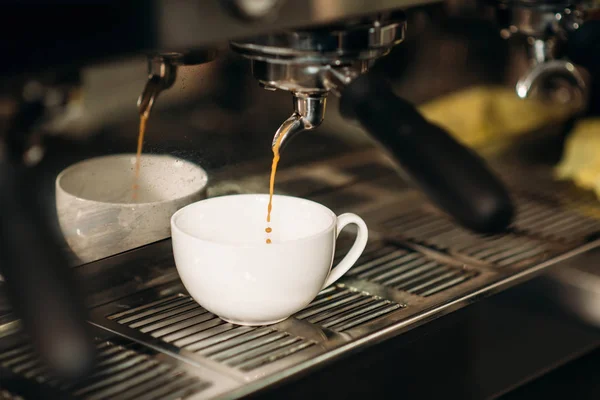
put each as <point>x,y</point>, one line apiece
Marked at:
<point>253,245</point>
<point>60,176</point>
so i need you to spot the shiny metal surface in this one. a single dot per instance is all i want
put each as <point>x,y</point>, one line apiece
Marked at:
<point>553,76</point>
<point>546,25</point>
<point>335,44</point>
<point>309,112</point>
<point>418,266</point>
<point>298,61</point>
<point>162,72</point>
<point>125,370</point>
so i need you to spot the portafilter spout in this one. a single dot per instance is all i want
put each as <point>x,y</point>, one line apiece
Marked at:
<point>309,111</point>
<point>162,72</point>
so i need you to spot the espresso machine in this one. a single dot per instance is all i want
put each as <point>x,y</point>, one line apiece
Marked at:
<point>450,226</point>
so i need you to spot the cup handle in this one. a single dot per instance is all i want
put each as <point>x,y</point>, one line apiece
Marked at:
<point>355,251</point>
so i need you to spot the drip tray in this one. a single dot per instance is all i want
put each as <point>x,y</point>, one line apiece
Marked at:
<point>418,265</point>
<point>394,287</point>
<point>125,370</point>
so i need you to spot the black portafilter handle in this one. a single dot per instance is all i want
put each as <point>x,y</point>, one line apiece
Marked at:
<point>41,287</point>
<point>453,177</point>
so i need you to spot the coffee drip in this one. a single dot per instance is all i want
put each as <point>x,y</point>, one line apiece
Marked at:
<point>138,155</point>
<point>276,148</point>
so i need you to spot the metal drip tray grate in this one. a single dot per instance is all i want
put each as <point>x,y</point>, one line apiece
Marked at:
<point>339,308</point>
<point>179,320</point>
<point>409,271</point>
<point>554,223</point>
<point>171,320</point>
<point>420,266</point>
<point>122,372</point>
<point>440,233</point>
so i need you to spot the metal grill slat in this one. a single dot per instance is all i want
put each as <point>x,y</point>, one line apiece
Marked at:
<point>177,324</point>
<point>407,262</point>
<point>357,307</point>
<point>281,353</point>
<point>219,338</point>
<point>247,346</point>
<point>150,385</point>
<point>487,247</point>
<point>163,306</point>
<point>118,316</point>
<point>171,386</point>
<point>121,355</point>
<point>21,368</point>
<point>120,373</point>
<point>448,284</point>
<point>169,316</point>
<point>116,377</point>
<point>110,391</point>
<point>19,359</point>
<point>435,275</point>
<point>412,268</point>
<point>382,258</point>
<point>339,310</point>
<point>264,349</point>
<point>435,227</point>
<point>370,252</point>
<point>32,373</point>
<point>107,352</point>
<point>405,271</point>
<point>311,310</point>
<point>362,318</point>
<point>493,250</point>
<point>531,254</point>
<point>202,336</point>
<point>180,392</point>
<point>328,295</point>
<point>417,275</point>
<point>235,342</point>
<point>110,370</point>
<point>182,337</point>
<point>158,314</point>
<point>15,351</point>
<point>554,223</point>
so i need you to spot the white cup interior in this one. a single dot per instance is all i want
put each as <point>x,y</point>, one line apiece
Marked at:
<point>241,219</point>
<point>110,179</point>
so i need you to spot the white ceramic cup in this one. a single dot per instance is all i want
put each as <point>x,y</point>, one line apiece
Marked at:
<point>226,265</point>
<point>96,210</point>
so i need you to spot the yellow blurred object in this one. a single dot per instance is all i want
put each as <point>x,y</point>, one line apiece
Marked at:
<point>581,157</point>
<point>480,115</point>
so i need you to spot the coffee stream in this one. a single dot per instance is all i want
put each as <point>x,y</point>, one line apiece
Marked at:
<point>272,183</point>
<point>138,155</point>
